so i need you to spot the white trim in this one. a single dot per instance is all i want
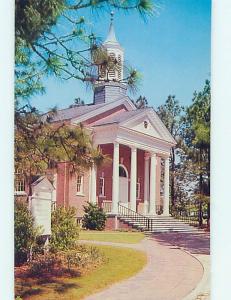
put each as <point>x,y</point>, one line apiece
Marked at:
<point>103,187</point>
<point>155,121</point>
<point>22,193</point>
<point>113,133</point>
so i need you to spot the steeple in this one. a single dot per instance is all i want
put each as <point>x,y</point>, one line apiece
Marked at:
<point>111,38</point>
<point>116,54</point>
<point>110,86</point>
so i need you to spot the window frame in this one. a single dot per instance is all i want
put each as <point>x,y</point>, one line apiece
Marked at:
<point>19,183</point>
<point>138,190</point>
<point>102,187</point>
<point>80,184</point>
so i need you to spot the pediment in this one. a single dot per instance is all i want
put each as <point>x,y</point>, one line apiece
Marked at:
<point>149,123</point>
<point>143,125</point>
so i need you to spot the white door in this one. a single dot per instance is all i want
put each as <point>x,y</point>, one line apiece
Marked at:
<point>123,191</point>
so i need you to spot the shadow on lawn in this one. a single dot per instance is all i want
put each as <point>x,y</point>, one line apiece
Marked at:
<point>195,243</point>
<point>29,288</point>
<point>31,292</point>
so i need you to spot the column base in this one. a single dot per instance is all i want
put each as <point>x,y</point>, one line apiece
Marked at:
<point>165,214</point>
<point>151,215</point>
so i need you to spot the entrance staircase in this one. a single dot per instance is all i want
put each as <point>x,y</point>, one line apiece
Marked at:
<point>153,224</point>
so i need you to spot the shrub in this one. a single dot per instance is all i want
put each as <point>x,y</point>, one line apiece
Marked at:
<point>64,229</point>
<point>44,263</point>
<point>94,217</point>
<point>70,262</point>
<point>25,234</point>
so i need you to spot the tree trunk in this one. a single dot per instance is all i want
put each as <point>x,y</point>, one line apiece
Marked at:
<point>200,216</point>
<point>172,177</point>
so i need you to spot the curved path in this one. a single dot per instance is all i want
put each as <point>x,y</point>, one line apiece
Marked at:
<point>170,274</point>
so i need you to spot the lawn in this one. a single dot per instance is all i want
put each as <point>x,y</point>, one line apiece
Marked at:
<point>112,236</point>
<point>121,263</point>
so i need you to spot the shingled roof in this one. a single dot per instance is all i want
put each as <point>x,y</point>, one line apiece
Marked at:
<point>121,117</point>
<point>71,112</point>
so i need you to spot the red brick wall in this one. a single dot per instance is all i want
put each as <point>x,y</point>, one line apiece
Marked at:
<point>62,184</point>
<point>111,224</point>
<point>78,201</point>
<point>106,171</point>
<point>66,188</point>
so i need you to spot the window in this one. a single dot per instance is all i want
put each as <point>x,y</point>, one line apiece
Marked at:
<point>101,186</point>
<point>79,184</point>
<point>138,190</point>
<point>19,184</point>
<point>53,205</point>
<point>146,124</point>
<point>122,172</point>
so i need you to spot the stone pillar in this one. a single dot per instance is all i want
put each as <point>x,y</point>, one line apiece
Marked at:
<point>115,179</point>
<point>166,187</point>
<point>133,178</point>
<point>93,185</point>
<point>146,183</point>
<point>152,206</point>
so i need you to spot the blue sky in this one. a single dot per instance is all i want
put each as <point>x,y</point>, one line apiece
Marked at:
<point>171,50</point>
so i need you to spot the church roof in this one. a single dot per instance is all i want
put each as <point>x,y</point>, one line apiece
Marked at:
<point>121,117</point>
<point>72,112</point>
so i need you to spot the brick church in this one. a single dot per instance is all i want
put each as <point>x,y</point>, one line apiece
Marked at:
<point>136,140</point>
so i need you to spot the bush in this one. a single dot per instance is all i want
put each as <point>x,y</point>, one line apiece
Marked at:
<point>64,229</point>
<point>94,217</point>
<point>44,263</point>
<point>25,234</point>
<point>69,262</point>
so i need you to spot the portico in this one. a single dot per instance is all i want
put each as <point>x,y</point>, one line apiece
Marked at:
<point>150,170</point>
<point>144,176</point>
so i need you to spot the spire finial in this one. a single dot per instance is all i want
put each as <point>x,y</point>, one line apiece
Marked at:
<point>112,16</point>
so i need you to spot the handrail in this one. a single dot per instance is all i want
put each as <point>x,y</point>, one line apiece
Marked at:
<point>127,212</point>
<point>185,217</point>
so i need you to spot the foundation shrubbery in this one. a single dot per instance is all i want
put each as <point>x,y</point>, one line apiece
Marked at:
<point>94,217</point>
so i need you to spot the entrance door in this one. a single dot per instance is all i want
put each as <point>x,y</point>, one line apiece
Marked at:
<point>123,186</point>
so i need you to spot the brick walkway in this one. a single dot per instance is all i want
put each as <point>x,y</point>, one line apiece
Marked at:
<point>170,274</point>
<point>198,245</point>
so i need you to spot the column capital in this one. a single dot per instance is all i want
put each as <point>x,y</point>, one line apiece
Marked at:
<point>146,155</point>
<point>116,144</point>
<point>165,156</point>
<point>166,160</point>
<point>153,154</point>
<point>133,148</point>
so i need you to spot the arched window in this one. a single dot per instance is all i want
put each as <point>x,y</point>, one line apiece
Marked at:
<point>122,172</point>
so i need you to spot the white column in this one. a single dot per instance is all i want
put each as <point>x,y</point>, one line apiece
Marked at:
<point>146,183</point>
<point>93,185</point>
<point>152,207</point>
<point>166,187</point>
<point>133,178</point>
<point>115,179</point>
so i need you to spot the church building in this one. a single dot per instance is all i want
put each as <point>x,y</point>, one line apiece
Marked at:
<point>137,142</point>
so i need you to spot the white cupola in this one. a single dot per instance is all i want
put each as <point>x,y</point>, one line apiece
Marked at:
<point>116,53</point>
<point>110,86</point>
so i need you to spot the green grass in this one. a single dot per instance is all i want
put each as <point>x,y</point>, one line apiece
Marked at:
<point>121,263</point>
<point>112,236</point>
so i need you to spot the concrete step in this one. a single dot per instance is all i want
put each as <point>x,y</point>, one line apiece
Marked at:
<point>159,224</point>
